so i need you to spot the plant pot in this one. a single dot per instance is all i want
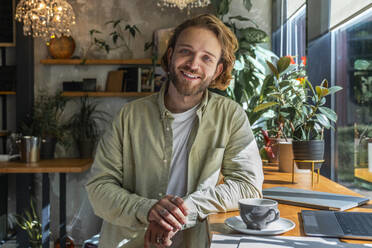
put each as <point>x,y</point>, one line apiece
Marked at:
<point>35,244</point>
<point>285,156</point>
<point>48,147</point>
<point>308,150</point>
<point>275,149</point>
<point>86,148</point>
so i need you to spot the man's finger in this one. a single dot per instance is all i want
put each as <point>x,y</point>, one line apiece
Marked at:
<point>147,239</point>
<point>167,203</point>
<point>167,242</point>
<point>178,201</point>
<point>176,212</point>
<point>153,237</point>
<point>155,216</point>
<point>170,218</point>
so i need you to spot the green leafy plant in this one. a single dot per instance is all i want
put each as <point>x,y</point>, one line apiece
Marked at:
<point>250,66</point>
<point>281,92</point>
<point>45,119</point>
<point>31,223</point>
<point>299,109</point>
<point>84,123</point>
<point>314,116</point>
<point>121,37</point>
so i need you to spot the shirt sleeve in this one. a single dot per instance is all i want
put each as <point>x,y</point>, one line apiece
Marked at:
<point>242,171</point>
<point>108,198</point>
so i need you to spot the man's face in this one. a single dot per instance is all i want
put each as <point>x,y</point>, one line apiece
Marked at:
<point>194,61</point>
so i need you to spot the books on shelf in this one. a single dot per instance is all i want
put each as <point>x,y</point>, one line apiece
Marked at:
<point>135,79</point>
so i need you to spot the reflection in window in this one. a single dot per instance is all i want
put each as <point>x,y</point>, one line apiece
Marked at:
<point>353,71</point>
<point>296,34</point>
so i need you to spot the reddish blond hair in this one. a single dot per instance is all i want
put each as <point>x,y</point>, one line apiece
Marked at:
<point>224,35</point>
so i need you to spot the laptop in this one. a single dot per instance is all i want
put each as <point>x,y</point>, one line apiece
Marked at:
<point>313,199</point>
<point>337,224</point>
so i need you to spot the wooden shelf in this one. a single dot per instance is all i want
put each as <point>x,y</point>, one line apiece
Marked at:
<point>7,92</point>
<point>106,94</point>
<point>146,61</point>
<point>4,133</point>
<point>58,165</point>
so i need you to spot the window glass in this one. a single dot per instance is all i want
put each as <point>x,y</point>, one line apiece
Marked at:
<point>296,35</point>
<point>353,71</point>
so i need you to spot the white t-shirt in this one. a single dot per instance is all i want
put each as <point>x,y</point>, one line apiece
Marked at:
<point>181,127</point>
<point>177,184</point>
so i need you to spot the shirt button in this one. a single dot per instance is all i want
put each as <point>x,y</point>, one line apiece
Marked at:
<point>167,128</point>
<point>165,161</point>
<point>160,194</point>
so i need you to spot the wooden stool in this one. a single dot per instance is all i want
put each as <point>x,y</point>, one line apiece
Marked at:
<point>312,169</point>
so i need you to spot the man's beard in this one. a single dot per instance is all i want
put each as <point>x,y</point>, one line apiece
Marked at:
<point>183,86</point>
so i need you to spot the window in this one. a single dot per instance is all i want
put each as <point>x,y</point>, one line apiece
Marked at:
<point>296,34</point>
<point>352,48</point>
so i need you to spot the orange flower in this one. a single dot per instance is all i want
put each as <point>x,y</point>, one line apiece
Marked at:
<point>301,80</point>
<point>303,59</point>
<point>292,60</point>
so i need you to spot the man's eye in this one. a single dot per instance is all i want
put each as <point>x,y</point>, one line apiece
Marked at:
<point>207,59</point>
<point>184,51</point>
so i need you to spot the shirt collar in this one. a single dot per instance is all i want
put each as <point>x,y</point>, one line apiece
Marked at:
<point>164,111</point>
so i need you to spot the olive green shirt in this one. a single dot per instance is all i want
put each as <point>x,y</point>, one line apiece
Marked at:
<point>131,169</point>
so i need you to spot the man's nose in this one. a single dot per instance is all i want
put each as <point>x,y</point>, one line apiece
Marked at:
<point>193,63</point>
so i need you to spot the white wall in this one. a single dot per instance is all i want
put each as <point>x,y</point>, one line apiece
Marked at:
<point>348,8</point>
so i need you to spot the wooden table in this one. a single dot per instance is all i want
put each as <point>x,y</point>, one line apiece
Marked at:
<point>61,166</point>
<point>273,178</point>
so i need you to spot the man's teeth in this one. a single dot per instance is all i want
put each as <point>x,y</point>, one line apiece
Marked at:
<point>190,75</point>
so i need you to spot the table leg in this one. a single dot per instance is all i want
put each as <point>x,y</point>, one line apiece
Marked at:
<point>4,122</point>
<point>318,175</point>
<point>312,174</point>
<point>45,211</point>
<point>62,209</point>
<point>3,205</point>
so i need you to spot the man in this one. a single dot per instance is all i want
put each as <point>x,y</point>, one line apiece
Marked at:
<point>156,169</point>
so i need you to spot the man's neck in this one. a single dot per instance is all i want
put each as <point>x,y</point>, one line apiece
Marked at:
<point>177,103</point>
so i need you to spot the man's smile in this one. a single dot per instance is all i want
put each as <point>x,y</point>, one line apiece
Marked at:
<point>189,76</point>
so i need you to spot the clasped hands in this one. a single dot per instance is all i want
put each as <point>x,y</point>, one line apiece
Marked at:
<point>166,218</point>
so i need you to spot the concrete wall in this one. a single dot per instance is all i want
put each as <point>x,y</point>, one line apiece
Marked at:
<point>92,14</point>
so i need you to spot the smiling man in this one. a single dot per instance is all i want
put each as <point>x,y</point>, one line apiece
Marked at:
<point>155,175</point>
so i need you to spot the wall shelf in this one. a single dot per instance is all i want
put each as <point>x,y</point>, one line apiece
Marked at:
<point>146,61</point>
<point>7,92</point>
<point>106,94</point>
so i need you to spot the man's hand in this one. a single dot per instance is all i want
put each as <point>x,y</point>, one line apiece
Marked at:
<point>157,236</point>
<point>169,212</point>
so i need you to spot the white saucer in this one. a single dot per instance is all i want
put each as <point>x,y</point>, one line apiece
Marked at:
<point>280,226</point>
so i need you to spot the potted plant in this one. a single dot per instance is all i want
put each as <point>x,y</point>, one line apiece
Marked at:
<point>84,126</point>
<point>314,117</point>
<point>280,92</point>
<point>300,109</point>
<point>31,223</point>
<point>45,122</point>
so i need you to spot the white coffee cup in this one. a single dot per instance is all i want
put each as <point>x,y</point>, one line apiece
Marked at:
<point>257,213</point>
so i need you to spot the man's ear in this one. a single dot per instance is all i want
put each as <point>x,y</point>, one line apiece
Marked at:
<point>219,70</point>
<point>169,55</point>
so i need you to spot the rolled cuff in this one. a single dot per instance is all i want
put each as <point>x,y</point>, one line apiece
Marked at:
<point>192,217</point>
